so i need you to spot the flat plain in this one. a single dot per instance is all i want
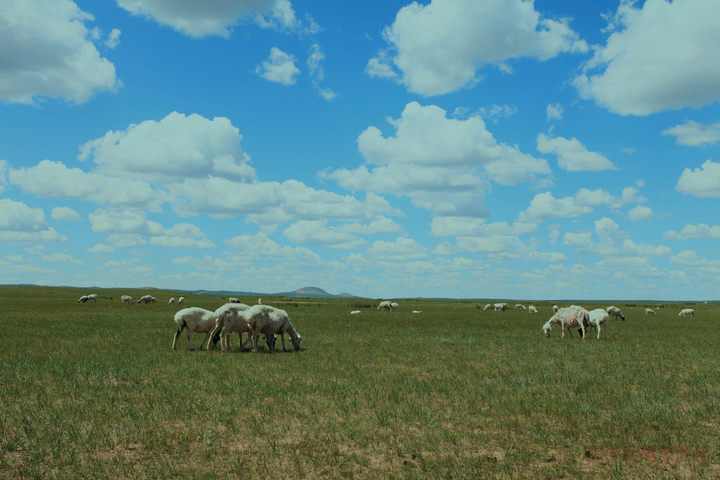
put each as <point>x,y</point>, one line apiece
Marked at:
<point>95,391</point>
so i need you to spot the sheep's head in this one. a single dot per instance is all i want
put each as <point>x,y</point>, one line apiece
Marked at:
<point>546,330</point>
<point>295,339</point>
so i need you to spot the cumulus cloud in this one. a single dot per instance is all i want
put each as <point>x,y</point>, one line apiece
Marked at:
<point>703,182</point>
<point>20,223</point>
<point>403,248</point>
<point>61,258</point>
<point>113,39</point>
<point>318,232</point>
<point>65,213</point>
<point>641,214</point>
<point>441,47</point>
<point>613,245</point>
<point>694,134</point>
<point>440,163</point>
<point>317,72</point>
<point>572,155</point>
<point>279,67</point>
<point>214,17</point>
<point>47,50</point>
<point>545,205</point>
<point>659,56</point>
<point>694,231</point>
<point>554,112</point>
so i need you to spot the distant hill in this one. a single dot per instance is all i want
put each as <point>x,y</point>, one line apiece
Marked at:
<point>309,292</point>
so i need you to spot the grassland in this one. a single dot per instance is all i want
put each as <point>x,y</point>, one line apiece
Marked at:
<point>94,391</point>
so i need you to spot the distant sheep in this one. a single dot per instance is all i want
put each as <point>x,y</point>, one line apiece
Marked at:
<point>597,318</point>
<point>520,306</point>
<point>499,307</point>
<point>146,299</point>
<point>171,301</point>
<point>615,312</point>
<point>233,300</point>
<point>355,312</point>
<point>686,311</point>
<point>270,321</point>
<point>87,298</point>
<point>196,320</point>
<point>181,300</point>
<point>532,309</point>
<point>385,305</point>
<point>126,299</point>
<point>487,307</point>
<point>568,318</point>
<point>417,311</point>
<point>555,308</point>
<point>649,311</point>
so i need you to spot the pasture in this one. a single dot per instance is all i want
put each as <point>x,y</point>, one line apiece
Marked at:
<point>95,391</point>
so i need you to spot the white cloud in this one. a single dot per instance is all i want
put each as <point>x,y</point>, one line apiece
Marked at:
<point>65,213</point>
<point>380,225</point>
<point>436,161</point>
<point>177,147</point>
<point>128,226</point>
<point>545,205</point>
<point>694,134</point>
<point>260,247</point>
<point>572,155</point>
<point>694,231</point>
<point>440,47</point>
<point>16,216</point>
<point>466,226</point>
<point>279,67</point>
<point>317,72</point>
<point>403,248</point>
<point>703,182</point>
<point>61,258</point>
<point>554,112</point>
<point>641,214</point>
<point>612,246</point>
<point>113,39</point>
<point>660,56</point>
<point>46,50</point>
<point>214,17</point>
<point>317,232</point>
<point>101,248</point>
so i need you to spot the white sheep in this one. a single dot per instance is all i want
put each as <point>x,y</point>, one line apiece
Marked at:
<point>181,300</point>
<point>233,300</point>
<point>614,311</point>
<point>355,312</point>
<point>568,318</point>
<point>270,321</point>
<point>385,305</point>
<point>196,320</point>
<point>171,301</point>
<point>259,301</point>
<point>597,318</point>
<point>499,307</point>
<point>686,311</point>
<point>146,299</point>
<point>520,306</point>
<point>532,309</point>
<point>83,299</point>
<point>417,311</point>
<point>92,297</point>
<point>555,308</point>
<point>126,299</point>
<point>228,319</point>
<point>649,311</point>
<point>394,305</point>
<point>487,307</point>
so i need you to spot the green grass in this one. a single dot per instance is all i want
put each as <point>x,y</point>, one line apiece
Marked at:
<point>95,391</point>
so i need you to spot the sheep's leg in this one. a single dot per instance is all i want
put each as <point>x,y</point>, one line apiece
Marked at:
<point>249,339</point>
<point>599,327</point>
<point>282,338</point>
<point>255,336</point>
<point>189,335</point>
<point>213,332</point>
<point>177,334</point>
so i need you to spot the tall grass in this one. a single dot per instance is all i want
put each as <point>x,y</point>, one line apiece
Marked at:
<point>95,391</point>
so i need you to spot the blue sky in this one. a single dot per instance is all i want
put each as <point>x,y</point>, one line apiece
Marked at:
<point>466,148</point>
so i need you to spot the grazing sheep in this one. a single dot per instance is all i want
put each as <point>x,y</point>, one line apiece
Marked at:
<point>499,307</point>
<point>487,307</point>
<point>228,319</point>
<point>555,308</point>
<point>126,299</point>
<point>568,317</point>
<point>269,321</point>
<point>146,299</point>
<point>171,301</point>
<point>196,320</point>
<point>532,309</point>
<point>355,312</point>
<point>83,299</point>
<point>597,318</point>
<point>181,300</point>
<point>385,305</point>
<point>394,305</point>
<point>686,311</point>
<point>615,312</point>
<point>92,297</point>
<point>259,301</point>
<point>649,311</point>
<point>233,300</point>
<point>417,311</point>
<point>520,306</point>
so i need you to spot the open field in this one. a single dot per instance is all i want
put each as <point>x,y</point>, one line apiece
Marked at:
<point>95,391</point>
